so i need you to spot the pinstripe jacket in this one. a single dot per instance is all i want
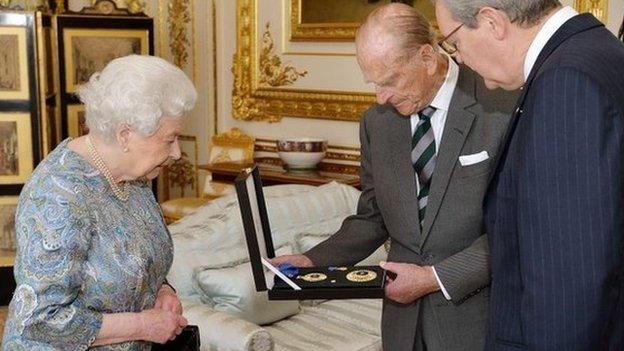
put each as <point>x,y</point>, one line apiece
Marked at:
<point>452,238</point>
<point>554,211</point>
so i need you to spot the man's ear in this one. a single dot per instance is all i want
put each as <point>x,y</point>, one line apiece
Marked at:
<point>496,22</point>
<point>428,57</point>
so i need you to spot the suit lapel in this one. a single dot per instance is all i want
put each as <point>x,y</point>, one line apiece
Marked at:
<point>398,148</point>
<point>575,25</point>
<point>458,123</point>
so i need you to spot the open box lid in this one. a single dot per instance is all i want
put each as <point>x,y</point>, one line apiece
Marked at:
<point>255,222</point>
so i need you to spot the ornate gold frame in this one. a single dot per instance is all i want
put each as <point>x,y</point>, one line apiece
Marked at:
<point>73,124</point>
<point>598,8</point>
<point>315,32</point>
<point>252,103</point>
<point>326,31</point>
<point>232,139</point>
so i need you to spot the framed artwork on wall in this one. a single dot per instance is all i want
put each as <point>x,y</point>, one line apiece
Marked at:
<point>13,64</point>
<point>181,175</point>
<point>76,120</point>
<point>338,20</point>
<point>89,50</point>
<point>8,206</point>
<point>16,157</point>
<point>86,43</point>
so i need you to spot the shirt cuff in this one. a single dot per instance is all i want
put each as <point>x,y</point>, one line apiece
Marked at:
<point>446,294</point>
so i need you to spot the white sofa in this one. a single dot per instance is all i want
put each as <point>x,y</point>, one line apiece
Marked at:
<point>213,278</point>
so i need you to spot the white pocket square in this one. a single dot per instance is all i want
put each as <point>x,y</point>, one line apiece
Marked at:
<point>467,160</point>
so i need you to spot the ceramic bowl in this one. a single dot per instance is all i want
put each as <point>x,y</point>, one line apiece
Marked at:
<point>301,153</point>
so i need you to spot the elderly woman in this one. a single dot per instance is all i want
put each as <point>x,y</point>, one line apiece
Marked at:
<point>92,248</point>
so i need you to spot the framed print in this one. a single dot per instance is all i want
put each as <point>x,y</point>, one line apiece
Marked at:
<point>182,174</point>
<point>16,154</point>
<point>338,20</point>
<point>8,206</point>
<point>13,64</point>
<point>89,50</point>
<point>86,44</point>
<point>76,122</point>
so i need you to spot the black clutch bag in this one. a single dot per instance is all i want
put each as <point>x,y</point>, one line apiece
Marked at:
<point>188,340</point>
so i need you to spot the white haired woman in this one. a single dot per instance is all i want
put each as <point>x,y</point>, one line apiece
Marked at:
<point>92,248</point>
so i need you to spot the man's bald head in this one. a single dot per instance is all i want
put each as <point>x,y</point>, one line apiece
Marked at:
<point>393,29</point>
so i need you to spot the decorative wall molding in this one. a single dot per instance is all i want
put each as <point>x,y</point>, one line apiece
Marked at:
<point>598,8</point>
<point>271,71</point>
<point>178,20</point>
<point>253,103</point>
<point>315,32</point>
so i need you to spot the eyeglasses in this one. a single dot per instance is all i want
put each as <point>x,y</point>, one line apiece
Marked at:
<point>450,48</point>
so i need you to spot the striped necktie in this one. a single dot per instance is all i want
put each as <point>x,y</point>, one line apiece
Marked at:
<point>424,157</point>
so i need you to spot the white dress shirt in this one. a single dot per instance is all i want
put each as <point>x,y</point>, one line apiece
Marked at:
<point>543,36</point>
<point>441,102</point>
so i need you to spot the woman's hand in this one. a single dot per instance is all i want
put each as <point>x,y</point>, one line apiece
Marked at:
<point>167,299</point>
<point>160,326</point>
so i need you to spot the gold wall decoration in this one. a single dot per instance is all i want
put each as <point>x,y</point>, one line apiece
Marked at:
<point>250,102</point>
<point>271,70</point>
<point>232,146</point>
<point>338,20</point>
<point>598,8</point>
<point>136,6</point>
<point>178,20</point>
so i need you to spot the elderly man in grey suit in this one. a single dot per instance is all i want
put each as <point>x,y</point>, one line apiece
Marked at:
<point>427,147</point>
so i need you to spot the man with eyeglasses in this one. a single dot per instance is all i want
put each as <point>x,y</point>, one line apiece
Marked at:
<point>427,150</point>
<point>554,212</point>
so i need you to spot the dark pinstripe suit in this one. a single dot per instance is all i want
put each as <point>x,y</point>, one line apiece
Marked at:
<point>554,210</point>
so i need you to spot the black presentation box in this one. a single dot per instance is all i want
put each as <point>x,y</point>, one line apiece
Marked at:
<point>347,282</point>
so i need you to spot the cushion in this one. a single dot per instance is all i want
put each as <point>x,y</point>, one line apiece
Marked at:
<point>232,290</point>
<point>220,331</point>
<point>332,325</point>
<point>214,236</point>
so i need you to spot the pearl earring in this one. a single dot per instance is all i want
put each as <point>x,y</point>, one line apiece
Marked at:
<point>125,149</point>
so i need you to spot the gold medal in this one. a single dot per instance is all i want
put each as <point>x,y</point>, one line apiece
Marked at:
<point>313,277</point>
<point>361,275</point>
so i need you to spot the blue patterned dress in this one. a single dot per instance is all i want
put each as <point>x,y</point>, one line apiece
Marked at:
<point>81,252</point>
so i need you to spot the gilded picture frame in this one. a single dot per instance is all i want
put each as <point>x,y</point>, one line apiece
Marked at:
<point>14,84</point>
<point>76,122</point>
<point>232,147</point>
<point>181,177</point>
<point>16,153</point>
<point>326,20</point>
<point>88,50</point>
<point>253,102</point>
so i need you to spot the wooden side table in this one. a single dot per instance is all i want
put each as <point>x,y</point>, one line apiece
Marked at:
<point>273,173</point>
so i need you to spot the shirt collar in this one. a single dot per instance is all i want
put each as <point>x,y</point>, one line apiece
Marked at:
<point>442,100</point>
<point>545,33</point>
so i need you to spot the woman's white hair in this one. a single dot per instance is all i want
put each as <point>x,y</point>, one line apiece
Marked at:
<point>136,91</point>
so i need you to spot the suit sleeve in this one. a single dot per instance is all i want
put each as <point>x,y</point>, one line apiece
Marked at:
<point>362,233</point>
<point>569,206</point>
<point>466,272</point>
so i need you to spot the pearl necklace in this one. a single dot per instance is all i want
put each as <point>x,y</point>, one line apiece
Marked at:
<point>122,192</point>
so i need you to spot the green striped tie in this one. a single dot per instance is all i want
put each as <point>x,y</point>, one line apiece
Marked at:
<point>424,157</point>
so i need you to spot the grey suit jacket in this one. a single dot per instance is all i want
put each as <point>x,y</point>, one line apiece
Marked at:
<point>452,237</point>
